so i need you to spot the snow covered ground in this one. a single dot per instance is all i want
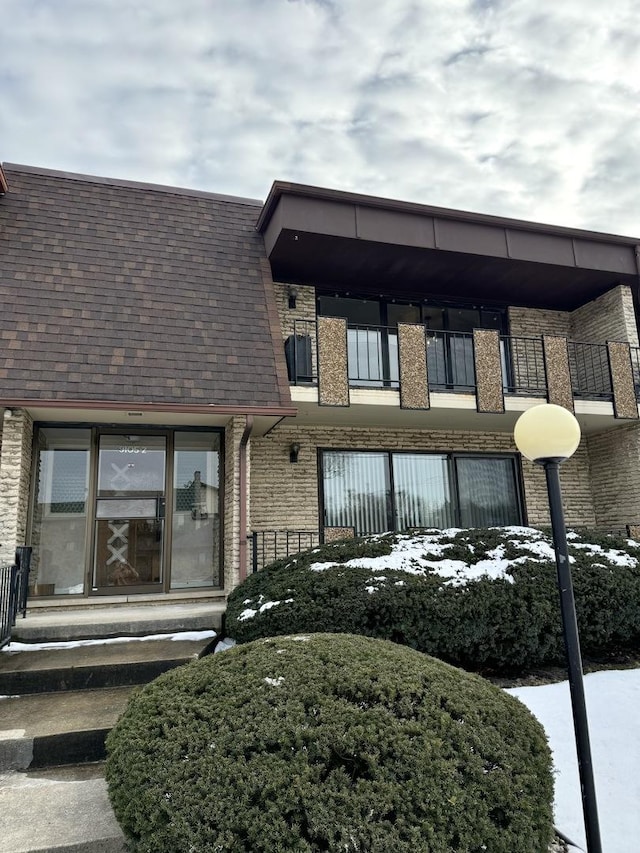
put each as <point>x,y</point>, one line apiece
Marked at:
<point>613,709</point>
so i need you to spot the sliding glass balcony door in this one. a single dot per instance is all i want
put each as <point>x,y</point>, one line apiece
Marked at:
<point>372,340</point>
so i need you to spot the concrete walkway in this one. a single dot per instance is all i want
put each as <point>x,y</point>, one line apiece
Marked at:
<point>60,810</point>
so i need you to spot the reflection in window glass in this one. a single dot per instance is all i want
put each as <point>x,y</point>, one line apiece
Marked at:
<point>195,544</point>
<point>422,496</point>
<point>356,491</point>
<point>131,464</point>
<point>58,533</point>
<point>487,492</point>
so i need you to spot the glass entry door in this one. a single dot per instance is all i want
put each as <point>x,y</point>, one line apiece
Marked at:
<point>130,512</point>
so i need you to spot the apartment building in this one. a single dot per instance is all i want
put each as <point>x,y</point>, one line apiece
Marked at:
<point>193,384</point>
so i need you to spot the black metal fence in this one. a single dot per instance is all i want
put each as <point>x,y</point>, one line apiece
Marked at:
<point>269,545</point>
<point>635,367</point>
<point>450,361</point>
<point>590,372</point>
<point>373,361</point>
<point>523,366</point>
<point>14,589</point>
<point>300,353</point>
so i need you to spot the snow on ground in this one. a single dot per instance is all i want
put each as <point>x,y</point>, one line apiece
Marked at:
<point>75,644</point>
<point>613,700</point>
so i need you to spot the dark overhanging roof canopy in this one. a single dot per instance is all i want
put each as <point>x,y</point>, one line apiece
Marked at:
<point>364,244</point>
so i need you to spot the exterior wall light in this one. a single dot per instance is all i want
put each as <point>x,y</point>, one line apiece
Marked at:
<point>292,293</point>
<point>548,435</point>
<point>294,450</point>
<point>8,414</point>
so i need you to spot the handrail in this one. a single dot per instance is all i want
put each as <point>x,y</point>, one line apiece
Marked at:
<point>14,587</point>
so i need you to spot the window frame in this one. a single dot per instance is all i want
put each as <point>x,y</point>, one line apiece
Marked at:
<point>451,456</point>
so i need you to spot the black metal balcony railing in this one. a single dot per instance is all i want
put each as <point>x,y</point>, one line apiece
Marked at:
<point>14,586</point>
<point>523,366</point>
<point>373,356</point>
<point>450,362</point>
<point>590,372</point>
<point>269,545</point>
<point>635,368</point>
<point>300,350</point>
<point>373,361</point>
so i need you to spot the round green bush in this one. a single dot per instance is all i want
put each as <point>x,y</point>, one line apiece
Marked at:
<point>328,743</point>
<point>503,624</point>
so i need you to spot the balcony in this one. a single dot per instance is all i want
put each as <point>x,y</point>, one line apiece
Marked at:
<point>418,363</point>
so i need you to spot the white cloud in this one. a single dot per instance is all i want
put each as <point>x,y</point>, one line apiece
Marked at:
<point>513,108</point>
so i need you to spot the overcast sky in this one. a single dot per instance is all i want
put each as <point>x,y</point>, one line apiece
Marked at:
<point>523,108</point>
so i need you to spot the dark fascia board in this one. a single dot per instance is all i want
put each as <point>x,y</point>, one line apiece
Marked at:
<point>139,185</point>
<point>4,186</point>
<point>281,188</point>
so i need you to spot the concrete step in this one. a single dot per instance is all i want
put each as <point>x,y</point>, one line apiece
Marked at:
<point>47,729</point>
<point>60,810</point>
<point>108,664</point>
<point>127,620</point>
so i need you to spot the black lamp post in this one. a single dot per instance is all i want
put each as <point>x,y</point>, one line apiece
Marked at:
<point>548,435</point>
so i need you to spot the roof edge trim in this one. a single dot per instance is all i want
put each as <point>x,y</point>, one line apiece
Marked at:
<point>110,405</point>
<point>4,186</point>
<point>281,188</point>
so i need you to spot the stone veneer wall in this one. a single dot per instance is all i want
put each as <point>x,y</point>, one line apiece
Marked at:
<point>284,495</point>
<point>15,475</point>
<point>532,322</point>
<point>231,555</point>
<point>614,458</point>
<point>304,313</point>
<point>305,305</point>
<point>610,317</point>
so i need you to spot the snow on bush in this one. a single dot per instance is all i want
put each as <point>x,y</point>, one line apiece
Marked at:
<point>485,599</point>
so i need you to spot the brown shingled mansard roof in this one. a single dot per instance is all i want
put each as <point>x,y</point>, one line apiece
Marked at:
<point>134,293</point>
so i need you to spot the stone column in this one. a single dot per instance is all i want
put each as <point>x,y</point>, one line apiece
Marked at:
<point>488,365</point>
<point>231,510</point>
<point>15,475</point>
<point>412,351</point>
<point>556,361</point>
<point>333,371</point>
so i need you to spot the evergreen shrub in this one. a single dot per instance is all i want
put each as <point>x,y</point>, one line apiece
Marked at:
<point>378,588</point>
<point>328,743</point>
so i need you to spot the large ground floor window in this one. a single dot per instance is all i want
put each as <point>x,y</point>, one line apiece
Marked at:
<point>374,491</point>
<point>121,512</point>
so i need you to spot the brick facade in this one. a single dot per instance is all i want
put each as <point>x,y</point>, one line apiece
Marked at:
<point>610,317</point>
<point>286,495</point>
<point>15,473</point>
<point>232,437</point>
<point>529,322</point>
<point>614,458</point>
<point>305,306</point>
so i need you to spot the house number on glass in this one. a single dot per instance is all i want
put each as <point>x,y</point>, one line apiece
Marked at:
<point>132,450</point>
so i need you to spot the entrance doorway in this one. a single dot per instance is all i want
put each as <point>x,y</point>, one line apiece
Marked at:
<point>130,512</point>
<point>121,513</point>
